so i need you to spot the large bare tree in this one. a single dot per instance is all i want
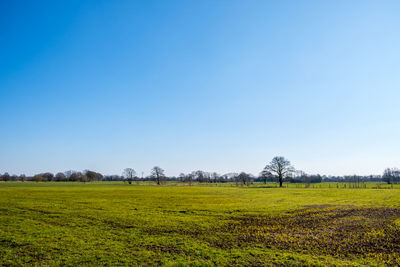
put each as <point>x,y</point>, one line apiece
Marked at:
<point>158,173</point>
<point>129,174</point>
<point>281,167</point>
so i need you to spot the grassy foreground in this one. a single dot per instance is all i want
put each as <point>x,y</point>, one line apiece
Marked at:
<point>120,224</point>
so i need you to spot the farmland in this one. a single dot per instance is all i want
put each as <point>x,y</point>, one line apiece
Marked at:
<point>120,224</point>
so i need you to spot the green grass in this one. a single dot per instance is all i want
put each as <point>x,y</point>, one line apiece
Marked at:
<point>120,224</point>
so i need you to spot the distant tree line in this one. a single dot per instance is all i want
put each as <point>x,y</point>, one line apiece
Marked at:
<point>68,176</point>
<point>278,170</point>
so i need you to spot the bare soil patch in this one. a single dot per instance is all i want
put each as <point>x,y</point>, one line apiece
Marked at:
<point>342,231</point>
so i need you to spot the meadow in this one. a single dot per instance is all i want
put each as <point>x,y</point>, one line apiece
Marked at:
<point>69,224</point>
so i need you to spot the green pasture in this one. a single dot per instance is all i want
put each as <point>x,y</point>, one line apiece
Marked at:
<point>112,223</point>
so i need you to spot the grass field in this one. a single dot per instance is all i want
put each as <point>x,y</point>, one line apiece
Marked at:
<point>119,224</point>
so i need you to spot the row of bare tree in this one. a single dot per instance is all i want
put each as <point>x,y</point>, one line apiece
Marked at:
<point>156,173</point>
<point>279,170</point>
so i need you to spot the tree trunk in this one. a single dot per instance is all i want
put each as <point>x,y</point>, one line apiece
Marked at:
<point>280,181</point>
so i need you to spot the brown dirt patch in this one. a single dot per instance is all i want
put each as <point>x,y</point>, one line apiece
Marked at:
<point>342,231</point>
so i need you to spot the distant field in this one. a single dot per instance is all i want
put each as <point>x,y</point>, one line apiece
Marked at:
<point>119,224</point>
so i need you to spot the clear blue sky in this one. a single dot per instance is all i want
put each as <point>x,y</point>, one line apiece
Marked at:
<point>212,85</point>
